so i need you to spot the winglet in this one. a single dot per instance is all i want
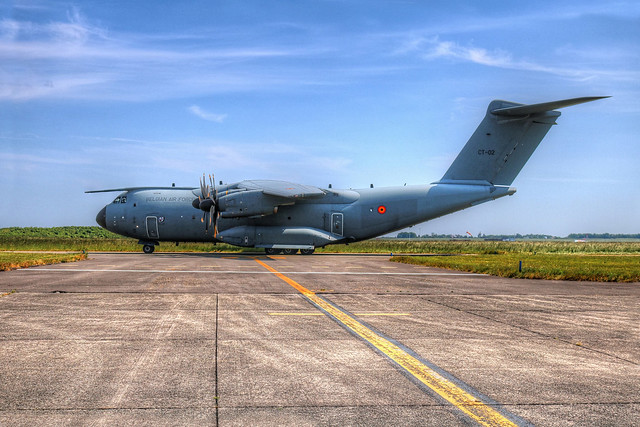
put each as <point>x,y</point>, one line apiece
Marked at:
<point>524,110</point>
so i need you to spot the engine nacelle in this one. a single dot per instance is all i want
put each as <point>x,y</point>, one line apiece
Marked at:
<point>246,203</point>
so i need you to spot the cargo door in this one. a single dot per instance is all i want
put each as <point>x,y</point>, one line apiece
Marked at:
<point>152,227</point>
<point>337,223</point>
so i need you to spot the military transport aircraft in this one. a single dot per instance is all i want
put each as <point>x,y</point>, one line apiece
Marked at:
<point>283,217</point>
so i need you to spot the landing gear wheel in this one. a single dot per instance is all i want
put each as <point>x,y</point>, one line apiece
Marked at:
<point>272,251</point>
<point>307,251</point>
<point>148,249</point>
<point>289,251</point>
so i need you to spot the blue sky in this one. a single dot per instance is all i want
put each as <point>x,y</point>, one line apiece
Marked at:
<point>108,94</point>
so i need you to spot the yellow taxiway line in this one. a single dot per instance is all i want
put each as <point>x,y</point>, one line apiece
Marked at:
<point>355,314</point>
<point>466,402</point>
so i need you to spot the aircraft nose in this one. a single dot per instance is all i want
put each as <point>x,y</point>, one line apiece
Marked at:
<point>101,218</point>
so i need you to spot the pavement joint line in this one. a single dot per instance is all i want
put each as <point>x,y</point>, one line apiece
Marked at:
<point>228,406</point>
<point>469,403</point>
<point>334,273</point>
<point>217,390</point>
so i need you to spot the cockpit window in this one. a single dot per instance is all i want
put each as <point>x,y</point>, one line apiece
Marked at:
<point>117,200</point>
<point>123,199</point>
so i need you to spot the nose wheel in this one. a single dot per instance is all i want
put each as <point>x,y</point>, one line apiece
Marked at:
<point>148,249</point>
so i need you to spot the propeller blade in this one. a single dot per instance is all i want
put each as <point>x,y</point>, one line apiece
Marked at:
<point>205,188</point>
<point>208,202</point>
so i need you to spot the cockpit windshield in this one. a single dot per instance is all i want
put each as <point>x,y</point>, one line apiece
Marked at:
<point>120,199</point>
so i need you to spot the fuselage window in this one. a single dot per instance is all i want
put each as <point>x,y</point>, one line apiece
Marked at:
<point>123,199</point>
<point>117,200</point>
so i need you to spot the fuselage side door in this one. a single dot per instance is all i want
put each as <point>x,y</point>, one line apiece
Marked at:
<point>337,223</point>
<point>152,227</point>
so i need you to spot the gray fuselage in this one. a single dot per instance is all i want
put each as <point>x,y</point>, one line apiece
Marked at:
<point>339,216</point>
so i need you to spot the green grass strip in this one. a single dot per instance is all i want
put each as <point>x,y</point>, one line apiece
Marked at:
<point>94,238</point>
<point>598,268</point>
<point>396,246</point>
<point>12,261</point>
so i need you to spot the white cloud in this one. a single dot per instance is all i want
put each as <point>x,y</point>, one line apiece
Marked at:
<point>211,117</point>
<point>76,59</point>
<point>433,49</point>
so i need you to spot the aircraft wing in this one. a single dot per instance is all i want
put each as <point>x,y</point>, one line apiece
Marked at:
<point>110,190</point>
<point>288,190</point>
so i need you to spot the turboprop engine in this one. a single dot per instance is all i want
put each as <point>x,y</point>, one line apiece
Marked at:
<point>246,203</point>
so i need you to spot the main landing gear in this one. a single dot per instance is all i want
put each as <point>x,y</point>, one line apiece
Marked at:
<point>274,251</point>
<point>148,246</point>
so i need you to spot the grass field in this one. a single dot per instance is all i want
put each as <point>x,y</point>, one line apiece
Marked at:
<point>550,259</point>
<point>600,268</point>
<point>12,261</point>
<point>94,239</point>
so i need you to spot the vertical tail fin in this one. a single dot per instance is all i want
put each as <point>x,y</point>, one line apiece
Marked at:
<point>505,140</point>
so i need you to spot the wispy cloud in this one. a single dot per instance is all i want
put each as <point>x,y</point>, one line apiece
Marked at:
<point>448,49</point>
<point>77,59</point>
<point>211,117</point>
<point>433,48</point>
<point>17,163</point>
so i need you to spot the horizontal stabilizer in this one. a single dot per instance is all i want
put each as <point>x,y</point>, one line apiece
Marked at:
<point>524,110</point>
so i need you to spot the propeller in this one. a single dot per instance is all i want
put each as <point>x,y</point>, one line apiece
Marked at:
<point>208,203</point>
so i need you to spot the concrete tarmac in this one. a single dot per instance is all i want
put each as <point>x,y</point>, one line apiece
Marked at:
<point>205,339</point>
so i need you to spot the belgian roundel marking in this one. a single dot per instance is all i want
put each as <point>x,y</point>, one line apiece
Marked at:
<point>381,209</point>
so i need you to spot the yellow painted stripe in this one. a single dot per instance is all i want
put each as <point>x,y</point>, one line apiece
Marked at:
<point>296,314</point>
<point>7,293</point>
<point>357,314</point>
<point>382,314</point>
<point>471,405</point>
